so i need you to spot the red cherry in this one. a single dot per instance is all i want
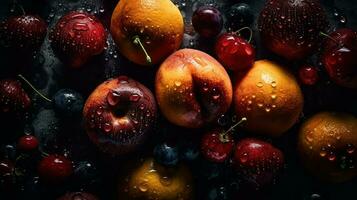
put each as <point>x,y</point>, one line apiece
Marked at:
<point>217,147</point>
<point>77,37</point>
<point>23,33</point>
<point>55,169</point>
<point>234,52</point>
<point>257,161</point>
<point>308,75</point>
<point>339,57</point>
<point>13,98</point>
<point>207,21</point>
<point>28,143</point>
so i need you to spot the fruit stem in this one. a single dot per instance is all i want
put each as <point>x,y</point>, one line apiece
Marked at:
<point>19,6</point>
<point>248,28</point>
<point>137,41</point>
<point>329,37</point>
<point>39,93</point>
<point>223,136</point>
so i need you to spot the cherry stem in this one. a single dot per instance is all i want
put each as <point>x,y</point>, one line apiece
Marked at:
<point>223,136</point>
<point>329,37</point>
<point>137,41</point>
<point>39,93</point>
<point>248,28</point>
<point>19,6</point>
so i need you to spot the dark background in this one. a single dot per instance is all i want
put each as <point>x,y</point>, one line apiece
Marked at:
<point>59,135</point>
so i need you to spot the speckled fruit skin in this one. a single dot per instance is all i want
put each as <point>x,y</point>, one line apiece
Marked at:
<point>153,181</point>
<point>339,57</point>
<point>159,25</point>
<point>119,114</point>
<point>13,98</point>
<point>78,196</point>
<point>76,37</point>
<point>269,97</point>
<point>291,28</point>
<point>257,161</point>
<point>192,88</point>
<point>326,145</point>
<point>23,34</point>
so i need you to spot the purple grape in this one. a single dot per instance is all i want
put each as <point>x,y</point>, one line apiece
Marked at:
<point>207,21</point>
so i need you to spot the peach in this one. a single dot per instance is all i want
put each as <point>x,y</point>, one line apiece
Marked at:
<point>192,88</point>
<point>269,97</point>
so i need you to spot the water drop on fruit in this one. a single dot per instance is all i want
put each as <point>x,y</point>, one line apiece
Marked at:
<point>134,97</point>
<point>113,98</point>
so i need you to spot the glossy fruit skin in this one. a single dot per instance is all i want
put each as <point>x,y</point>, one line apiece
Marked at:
<point>151,180</point>
<point>308,75</point>
<point>239,15</point>
<point>78,196</point>
<point>257,161</point>
<point>28,143</point>
<point>291,28</point>
<point>23,34</point>
<point>68,102</point>
<point>159,25</point>
<point>214,149</point>
<point>326,145</point>
<point>55,169</point>
<point>339,57</point>
<point>207,21</point>
<point>166,155</point>
<point>13,98</point>
<point>192,88</point>
<point>234,52</point>
<point>77,37</point>
<point>269,97</point>
<point>119,115</point>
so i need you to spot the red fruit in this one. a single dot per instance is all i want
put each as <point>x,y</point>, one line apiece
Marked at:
<point>234,52</point>
<point>55,169</point>
<point>216,146</point>
<point>257,161</point>
<point>13,98</point>
<point>207,21</point>
<point>77,37</point>
<point>339,57</point>
<point>28,143</point>
<point>308,75</point>
<point>23,33</point>
<point>291,28</point>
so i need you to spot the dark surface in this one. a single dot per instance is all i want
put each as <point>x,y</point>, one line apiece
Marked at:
<point>64,136</point>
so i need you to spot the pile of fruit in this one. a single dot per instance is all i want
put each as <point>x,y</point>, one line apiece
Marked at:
<point>137,99</point>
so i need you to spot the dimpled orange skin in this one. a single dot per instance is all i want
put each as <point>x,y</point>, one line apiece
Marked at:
<point>192,88</point>
<point>324,140</point>
<point>269,97</point>
<point>153,181</point>
<point>158,23</point>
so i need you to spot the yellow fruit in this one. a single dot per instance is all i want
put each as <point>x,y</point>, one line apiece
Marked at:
<point>158,24</point>
<point>153,181</point>
<point>269,97</point>
<point>326,145</point>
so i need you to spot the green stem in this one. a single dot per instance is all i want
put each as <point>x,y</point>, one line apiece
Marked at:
<point>223,136</point>
<point>137,41</point>
<point>39,93</point>
<point>329,37</point>
<point>250,30</point>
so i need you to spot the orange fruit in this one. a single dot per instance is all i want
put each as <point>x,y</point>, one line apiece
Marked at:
<point>153,181</point>
<point>157,24</point>
<point>269,97</point>
<point>326,145</point>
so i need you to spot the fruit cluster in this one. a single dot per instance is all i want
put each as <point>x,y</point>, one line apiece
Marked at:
<point>215,121</point>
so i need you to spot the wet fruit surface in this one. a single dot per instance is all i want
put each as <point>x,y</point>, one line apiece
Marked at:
<point>207,21</point>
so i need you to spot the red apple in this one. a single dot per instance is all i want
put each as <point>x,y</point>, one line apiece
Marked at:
<point>77,37</point>
<point>339,57</point>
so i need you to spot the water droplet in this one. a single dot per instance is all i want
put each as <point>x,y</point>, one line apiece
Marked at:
<point>273,84</point>
<point>166,181</point>
<point>113,98</point>
<point>107,127</point>
<point>350,148</point>
<point>244,158</point>
<point>80,27</point>
<point>332,156</point>
<point>134,97</point>
<point>143,186</point>
<point>178,83</point>
<point>100,110</point>
<point>259,84</point>
<point>273,96</point>
<point>323,152</point>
